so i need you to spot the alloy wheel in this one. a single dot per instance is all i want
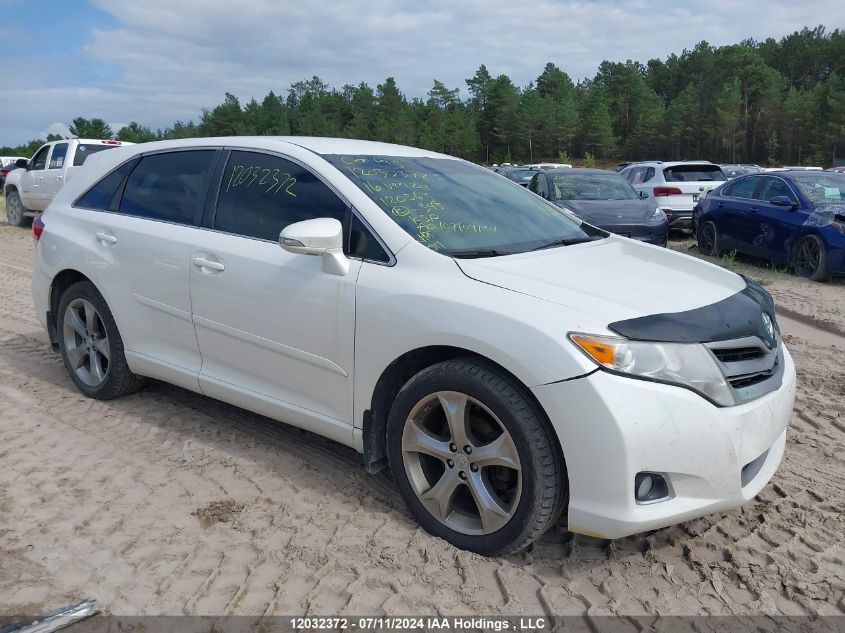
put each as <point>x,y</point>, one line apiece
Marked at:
<point>86,342</point>
<point>707,239</point>
<point>14,210</point>
<point>807,258</point>
<point>462,463</point>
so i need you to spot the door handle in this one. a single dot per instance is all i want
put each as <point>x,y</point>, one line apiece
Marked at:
<point>721,205</point>
<point>59,177</point>
<point>201,262</point>
<point>753,209</point>
<point>106,238</point>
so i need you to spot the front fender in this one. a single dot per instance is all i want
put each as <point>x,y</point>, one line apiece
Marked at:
<point>402,311</point>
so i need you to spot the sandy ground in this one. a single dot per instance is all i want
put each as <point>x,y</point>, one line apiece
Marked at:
<point>167,502</point>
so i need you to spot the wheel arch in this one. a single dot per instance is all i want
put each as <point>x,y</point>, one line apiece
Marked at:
<point>60,283</point>
<point>395,376</point>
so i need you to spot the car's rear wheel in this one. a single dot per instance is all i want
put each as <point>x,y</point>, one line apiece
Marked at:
<point>475,459</point>
<point>91,346</point>
<point>810,259</point>
<point>708,239</point>
<point>15,210</point>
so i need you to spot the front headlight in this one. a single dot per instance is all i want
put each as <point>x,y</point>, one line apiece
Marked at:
<point>688,365</point>
<point>658,217</point>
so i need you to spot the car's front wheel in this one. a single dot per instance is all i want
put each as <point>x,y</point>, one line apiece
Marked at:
<point>708,240</point>
<point>475,459</point>
<point>810,259</point>
<point>14,209</point>
<point>91,346</point>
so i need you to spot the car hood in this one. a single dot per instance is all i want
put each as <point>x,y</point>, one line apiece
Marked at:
<point>609,280</point>
<point>609,212</point>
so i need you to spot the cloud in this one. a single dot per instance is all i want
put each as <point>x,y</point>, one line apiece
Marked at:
<point>158,61</point>
<point>57,127</point>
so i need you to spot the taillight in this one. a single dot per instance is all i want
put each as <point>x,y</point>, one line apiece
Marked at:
<point>667,191</point>
<point>37,228</point>
<point>5,171</point>
<point>110,142</point>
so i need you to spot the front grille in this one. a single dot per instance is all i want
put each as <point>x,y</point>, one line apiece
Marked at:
<point>747,364</point>
<point>746,381</point>
<point>728,355</point>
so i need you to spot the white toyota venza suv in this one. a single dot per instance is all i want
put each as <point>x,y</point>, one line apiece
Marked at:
<point>512,366</point>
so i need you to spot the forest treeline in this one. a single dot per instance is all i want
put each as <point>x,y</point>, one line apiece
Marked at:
<point>770,102</point>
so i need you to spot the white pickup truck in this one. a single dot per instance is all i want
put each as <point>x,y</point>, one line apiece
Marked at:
<point>30,188</point>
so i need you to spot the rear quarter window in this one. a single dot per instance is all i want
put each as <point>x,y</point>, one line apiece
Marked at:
<point>101,194</point>
<point>84,150</point>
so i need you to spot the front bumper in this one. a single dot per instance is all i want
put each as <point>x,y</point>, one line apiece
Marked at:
<point>612,427</point>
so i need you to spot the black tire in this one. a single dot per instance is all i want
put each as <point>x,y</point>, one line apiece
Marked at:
<point>810,258</point>
<point>15,210</point>
<point>544,487</point>
<point>708,239</point>
<point>118,380</point>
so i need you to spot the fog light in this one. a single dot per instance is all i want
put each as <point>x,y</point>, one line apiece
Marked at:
<point>650,487</point>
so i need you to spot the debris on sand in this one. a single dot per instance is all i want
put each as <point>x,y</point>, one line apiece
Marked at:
<point>221,511</point>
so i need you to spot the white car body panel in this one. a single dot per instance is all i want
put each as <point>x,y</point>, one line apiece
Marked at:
<point>588,279</point>
<point>274,333</point>
<point>275,323</point>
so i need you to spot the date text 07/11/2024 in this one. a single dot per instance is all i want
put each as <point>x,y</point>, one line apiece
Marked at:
<point>394,623</point>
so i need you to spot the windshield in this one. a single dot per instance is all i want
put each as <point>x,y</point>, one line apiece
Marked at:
<point>591,187</point>
<point>520,175</point>
<point>821,187</point>
<point>458,208</point>
<point>693,173</point>
<point>734,171</point>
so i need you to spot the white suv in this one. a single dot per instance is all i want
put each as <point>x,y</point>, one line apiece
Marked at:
<point>511,365</point>
<point>675,186</point>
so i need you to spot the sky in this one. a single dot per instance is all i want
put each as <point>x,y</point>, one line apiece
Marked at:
<point>158,61</point>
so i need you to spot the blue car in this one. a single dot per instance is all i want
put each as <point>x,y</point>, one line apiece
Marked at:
<point>791,217</point>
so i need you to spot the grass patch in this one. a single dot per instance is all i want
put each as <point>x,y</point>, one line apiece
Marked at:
<point>729,260</point>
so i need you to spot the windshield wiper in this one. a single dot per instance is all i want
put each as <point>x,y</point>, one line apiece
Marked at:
<point>474,254</point>
<point>568,242</point>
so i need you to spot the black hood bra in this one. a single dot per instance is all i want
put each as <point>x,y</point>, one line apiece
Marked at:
<point>737,316</point>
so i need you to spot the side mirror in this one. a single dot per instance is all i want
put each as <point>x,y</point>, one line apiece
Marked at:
<point>320,236</point>
<point>643,194</point>
<point>21,163</point>
<point>783,201</point>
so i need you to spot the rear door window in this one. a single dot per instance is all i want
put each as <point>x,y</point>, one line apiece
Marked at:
<point>693,173</point>
<point>57,158</point>
<point>260,194</point>
<point>170,186</point>
<point>744,187</point>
